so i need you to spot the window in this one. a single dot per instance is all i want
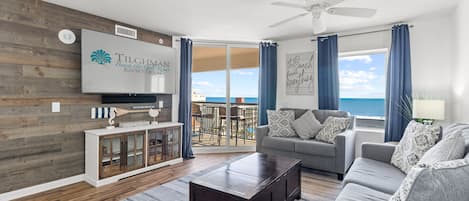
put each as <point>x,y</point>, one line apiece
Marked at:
<point>363,85</point>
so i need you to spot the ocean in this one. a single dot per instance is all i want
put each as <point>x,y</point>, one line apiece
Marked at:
<point>370,107</point>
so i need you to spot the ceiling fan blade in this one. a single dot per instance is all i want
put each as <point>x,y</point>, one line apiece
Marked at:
<point>318,25</point>
<point>329,3</point>
<point>288,20</point>
<point>353,12</point>
<point>290,5</point>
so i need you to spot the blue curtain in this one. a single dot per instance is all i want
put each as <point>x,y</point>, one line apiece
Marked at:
<point>399,84</point>
<point>328,73</point>
<point>267,79</point>
<point>185,96</point>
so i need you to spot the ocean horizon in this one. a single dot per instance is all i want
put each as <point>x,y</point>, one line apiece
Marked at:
<point>369,107</point>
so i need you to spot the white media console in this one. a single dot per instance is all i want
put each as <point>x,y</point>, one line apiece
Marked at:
<point>113,154</point>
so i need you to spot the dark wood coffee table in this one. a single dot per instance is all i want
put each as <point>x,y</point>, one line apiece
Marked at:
<point>258,177</point>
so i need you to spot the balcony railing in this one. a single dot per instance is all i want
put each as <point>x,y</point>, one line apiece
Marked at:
<point>209,123</point>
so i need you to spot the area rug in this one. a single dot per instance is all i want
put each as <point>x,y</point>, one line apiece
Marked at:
<point>178,190</point>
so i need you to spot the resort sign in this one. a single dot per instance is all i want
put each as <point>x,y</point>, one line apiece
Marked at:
<point>129,63</point>
<point>113,64</point>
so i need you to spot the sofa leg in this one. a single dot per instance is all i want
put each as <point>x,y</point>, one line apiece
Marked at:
<point>340,176</point>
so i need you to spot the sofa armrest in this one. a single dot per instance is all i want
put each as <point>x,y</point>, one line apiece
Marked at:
<point>345,150</point>
<point>261,132</point>
<point>378,151</point>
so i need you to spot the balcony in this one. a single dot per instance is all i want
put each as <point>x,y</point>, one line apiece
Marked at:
<point>209,123</point>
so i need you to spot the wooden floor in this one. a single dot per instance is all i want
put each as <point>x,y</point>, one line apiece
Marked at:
<point>317,185</point>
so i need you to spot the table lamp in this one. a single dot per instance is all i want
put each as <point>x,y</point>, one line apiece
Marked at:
<point>427,111</point>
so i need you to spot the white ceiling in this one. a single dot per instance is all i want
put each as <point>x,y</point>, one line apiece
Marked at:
<point>244,20</point>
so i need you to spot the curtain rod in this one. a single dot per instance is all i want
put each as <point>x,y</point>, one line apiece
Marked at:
<point>362,33</point>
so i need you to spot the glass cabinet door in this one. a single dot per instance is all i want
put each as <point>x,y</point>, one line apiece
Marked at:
<point>110,156</point>
<point>172,143</point>
<point>135,150</point>
<point>155,146</point>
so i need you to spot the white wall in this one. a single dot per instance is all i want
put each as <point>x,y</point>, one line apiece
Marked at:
<point>432,57</point>
<point>460,87</point>
<point>175,99</point>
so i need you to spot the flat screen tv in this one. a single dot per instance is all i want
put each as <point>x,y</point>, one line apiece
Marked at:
<point>117,65</point>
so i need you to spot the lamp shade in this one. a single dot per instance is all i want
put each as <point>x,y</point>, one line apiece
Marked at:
<point>429,109</point>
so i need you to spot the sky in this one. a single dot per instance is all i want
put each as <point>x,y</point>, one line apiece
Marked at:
<point>360,76</point>
<point>244,83</point>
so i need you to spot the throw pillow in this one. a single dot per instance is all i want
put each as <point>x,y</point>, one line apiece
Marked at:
<point>331,127</point>
<point>450,148</point>
<point>307,126</point>
<point>417,139</point>
<point>440,181</point>
<point>279,123</point>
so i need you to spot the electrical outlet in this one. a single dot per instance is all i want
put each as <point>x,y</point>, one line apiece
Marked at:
<point>55,106</point>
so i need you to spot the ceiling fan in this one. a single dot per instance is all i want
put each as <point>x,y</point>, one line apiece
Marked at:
<point>316,9</point>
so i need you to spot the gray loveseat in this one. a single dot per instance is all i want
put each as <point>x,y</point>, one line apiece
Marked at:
<point>335,158</point>
<point>373,178</point>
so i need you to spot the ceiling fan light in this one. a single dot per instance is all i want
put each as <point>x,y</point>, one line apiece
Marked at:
<point>318,26</point>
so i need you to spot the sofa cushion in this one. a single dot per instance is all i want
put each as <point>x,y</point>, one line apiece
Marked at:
<point>331,127</point>
<point>449,148</point>
<point>446,180</point>
<point>374,174</point>
<point>312,147</point>
<point>280,143</point>
<point>458,127</point>
<point>417,139</point>
<point>355,192</point>
<point>298,112</point>
<point>322,115</point>
<point>307,126</point>
<point>280,123</point>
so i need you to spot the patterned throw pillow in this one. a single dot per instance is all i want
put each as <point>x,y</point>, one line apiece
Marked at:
<point>280,123</point>
<point>331,127</point>
<point>417,139</point>
<point>307,126</point>
<point>440,181</point>
<point>450,148</point>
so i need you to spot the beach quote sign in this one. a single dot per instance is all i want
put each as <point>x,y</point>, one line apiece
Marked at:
<point>300,73</point>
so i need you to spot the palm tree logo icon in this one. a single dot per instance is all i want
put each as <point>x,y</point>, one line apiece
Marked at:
<point>101,57</point>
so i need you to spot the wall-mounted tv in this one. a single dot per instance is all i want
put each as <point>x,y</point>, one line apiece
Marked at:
<point>116,65</point>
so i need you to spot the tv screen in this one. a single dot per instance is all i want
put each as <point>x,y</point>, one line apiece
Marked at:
<point>117,65</point>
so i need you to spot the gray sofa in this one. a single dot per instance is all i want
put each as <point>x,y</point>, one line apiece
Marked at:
<point>372,177</point>
<point>335,158</point>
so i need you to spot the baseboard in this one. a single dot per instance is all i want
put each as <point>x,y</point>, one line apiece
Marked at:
<point>41,187</point>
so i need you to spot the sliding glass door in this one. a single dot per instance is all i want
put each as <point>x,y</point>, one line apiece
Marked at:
<point>224,96</point>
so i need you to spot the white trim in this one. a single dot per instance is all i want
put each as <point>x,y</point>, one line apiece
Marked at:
<point>41,187</point>
<point>228,95</point>
<point>363,52</point>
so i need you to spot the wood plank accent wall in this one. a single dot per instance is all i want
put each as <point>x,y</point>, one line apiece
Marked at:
<point>37,146</point>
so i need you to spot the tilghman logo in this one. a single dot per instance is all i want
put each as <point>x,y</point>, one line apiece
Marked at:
<point>101,57</point>
<point>130,63</point>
